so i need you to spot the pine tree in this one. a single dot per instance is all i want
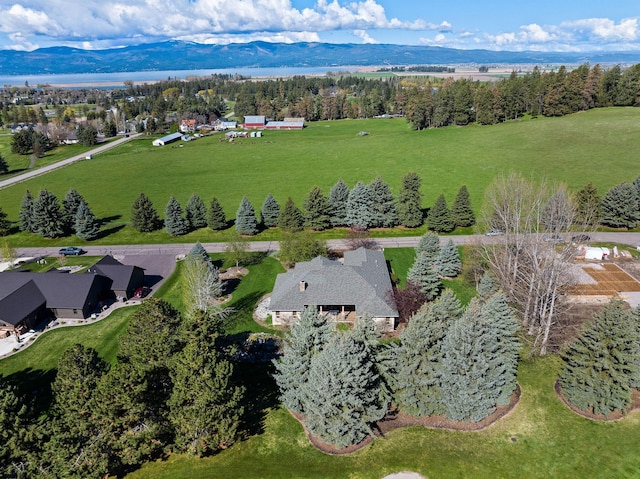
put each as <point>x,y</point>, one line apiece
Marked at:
<point>14,422</point>
<point>359,206</point>
<point>588,206</point>
<point>620,208</point>
<point>195,212</point>
<point>70,205</point>
<point>144,217</point>
<point>5,224</point>
<point>424,275</point>
<point>487,285</point>
<point>86,226</point>
<point>305,340</point>
<point>270,212</point>
<point>429,245</point>
<point>600,365</point>
<point>439,218</point>
<point>216,220</point>
<point>246,222</point>
<point>338,197</point>
<point>4,166</point>
<point>410,201</point>
<point>317,210</point>
<point>26,214</point>
<point>204,406</point>
<point>461,210</point>
<point>47,217</point>
<point>343,396</point>
<point>448,263</point>
<point>385,214</point>
<point>174,222</point>
<point>291,218</point>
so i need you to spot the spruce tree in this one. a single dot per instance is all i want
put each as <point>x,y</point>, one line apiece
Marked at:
<point>338,197</point>
<point>246,222</point>
<point>174,222</point>
<point>448,263</point>
<point>216,220</point>
<point>385,214</point>
<point>47,216</point>
<point>461,210</point>
<point>423,274</point>
<point>5,224</point>
<point>439,218</point>
<point>270,212</point>
<point>620,208</point>
<point>291,218</point>
<point>305,340</point>
<point>429,245</point>
<point>343,396</point>
<point>410,202</point>
<point>86,226</point>
<point>588,206</point>
<point>195,212</point>
<point>359,206</point>
<point>70,205</point>
<point>14,422</point>
<point>144,217</point>
<point>4,166</point>
<point>601,364</point>
<point>487,286</point>
<point>317,208</point>
<point>26,215</point>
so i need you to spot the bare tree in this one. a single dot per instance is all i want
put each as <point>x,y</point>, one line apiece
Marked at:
<point>201,285</point>
<point>531,260</point>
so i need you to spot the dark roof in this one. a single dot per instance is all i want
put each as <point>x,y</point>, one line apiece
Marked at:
<point>362,280</point>
<point>120,274</point>
<point>16,305</point>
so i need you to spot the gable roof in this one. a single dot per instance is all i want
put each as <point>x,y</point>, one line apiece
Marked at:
<point>362,280</point>
<point>20,299</point>
<point>121,275</point>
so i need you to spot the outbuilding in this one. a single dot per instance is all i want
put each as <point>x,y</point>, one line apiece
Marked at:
<point>165,140</point>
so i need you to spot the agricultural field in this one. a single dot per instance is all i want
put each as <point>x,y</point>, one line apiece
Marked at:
<point>596,146</point>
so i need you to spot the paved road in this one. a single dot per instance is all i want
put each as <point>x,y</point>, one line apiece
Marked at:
<point>631,239</point>
<point>68,161</point>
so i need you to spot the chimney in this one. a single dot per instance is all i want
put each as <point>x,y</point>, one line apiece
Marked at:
<point>303,286</point>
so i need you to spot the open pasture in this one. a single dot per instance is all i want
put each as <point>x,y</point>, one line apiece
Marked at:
<point>598,146</point>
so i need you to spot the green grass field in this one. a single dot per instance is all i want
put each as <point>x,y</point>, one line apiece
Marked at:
<point>597,146</point>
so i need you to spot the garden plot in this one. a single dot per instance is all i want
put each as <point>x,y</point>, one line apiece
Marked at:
<point>607,280</point>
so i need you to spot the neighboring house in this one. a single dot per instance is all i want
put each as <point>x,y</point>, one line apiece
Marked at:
<point>344,290</point>
<point>69,137</point>
<point>188,125</point>
<point>27,298</point>
<point>257,121</point>
<point>165,140</point>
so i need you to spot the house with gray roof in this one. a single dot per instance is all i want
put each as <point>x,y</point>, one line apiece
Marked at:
<point>346,290</point>
<point>125,279</point>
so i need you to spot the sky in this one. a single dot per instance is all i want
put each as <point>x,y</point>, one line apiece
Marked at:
<point>515,25</point>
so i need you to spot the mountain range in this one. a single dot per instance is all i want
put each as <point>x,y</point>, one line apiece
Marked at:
<point>174,55</point>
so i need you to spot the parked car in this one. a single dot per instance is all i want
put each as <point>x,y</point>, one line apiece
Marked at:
<point>553,239</point>
<point>582,238</point>
<point>494,233</point>
<point>141,292</point>
<point>71,251</point>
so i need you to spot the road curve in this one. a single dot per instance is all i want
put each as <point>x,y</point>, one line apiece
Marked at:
<point>46,169</point>
<point>631,239</point>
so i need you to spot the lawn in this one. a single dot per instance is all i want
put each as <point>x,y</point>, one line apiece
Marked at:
<point>570,149</point>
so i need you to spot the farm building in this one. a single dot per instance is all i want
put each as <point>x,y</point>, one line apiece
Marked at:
<point>257,121</point>
<point>291,124</point>
<point>165,140</point>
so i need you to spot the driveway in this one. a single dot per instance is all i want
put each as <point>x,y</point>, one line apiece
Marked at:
<point>157,267</point>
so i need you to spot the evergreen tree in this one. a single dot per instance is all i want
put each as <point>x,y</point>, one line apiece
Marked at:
<point>4,166</point>
<point>487,285</point>
<point>620,208</point>
<point>461,210</point>
<point>205,404</point>
<point>291,218</point>
<point>439,218</point>
<point>419,358</point>
<point>174,222</point>
<point>338,197</point>
<point>5,224</point>
<point>600,365</point>
<point>429,245</point>
<point>317,210</point>
<point>423,274</point>
<point>305,340</point>
<point>86,226</point>
<point>14,421</point>
<point>359,206</point>
<point>195,213</point>
<point>448,263</point>
<point>47,217</point>
<point>270,212</point>
<point>26,214</point>
<point>343,396</point>
<point>70,205</point>
<point>410,201</point>
<point>588,206</point>
<point>144,217</point>
<point>216,220</point>
<point>385,214</point>
<point>246,222</point>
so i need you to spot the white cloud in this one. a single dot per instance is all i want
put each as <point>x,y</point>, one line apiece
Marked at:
<point>605,29</point>
<point>365,36</point>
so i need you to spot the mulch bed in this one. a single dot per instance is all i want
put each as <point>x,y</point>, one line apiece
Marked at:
<point>396,419</point>
<point>613,416</point>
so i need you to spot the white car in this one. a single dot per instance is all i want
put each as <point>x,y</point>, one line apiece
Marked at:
<point>494,233</point>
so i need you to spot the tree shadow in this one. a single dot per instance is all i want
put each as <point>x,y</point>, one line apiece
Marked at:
<point>108,219</point>
<point>34,385</point>
<point>109,231</point>
<point>230,285</point>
